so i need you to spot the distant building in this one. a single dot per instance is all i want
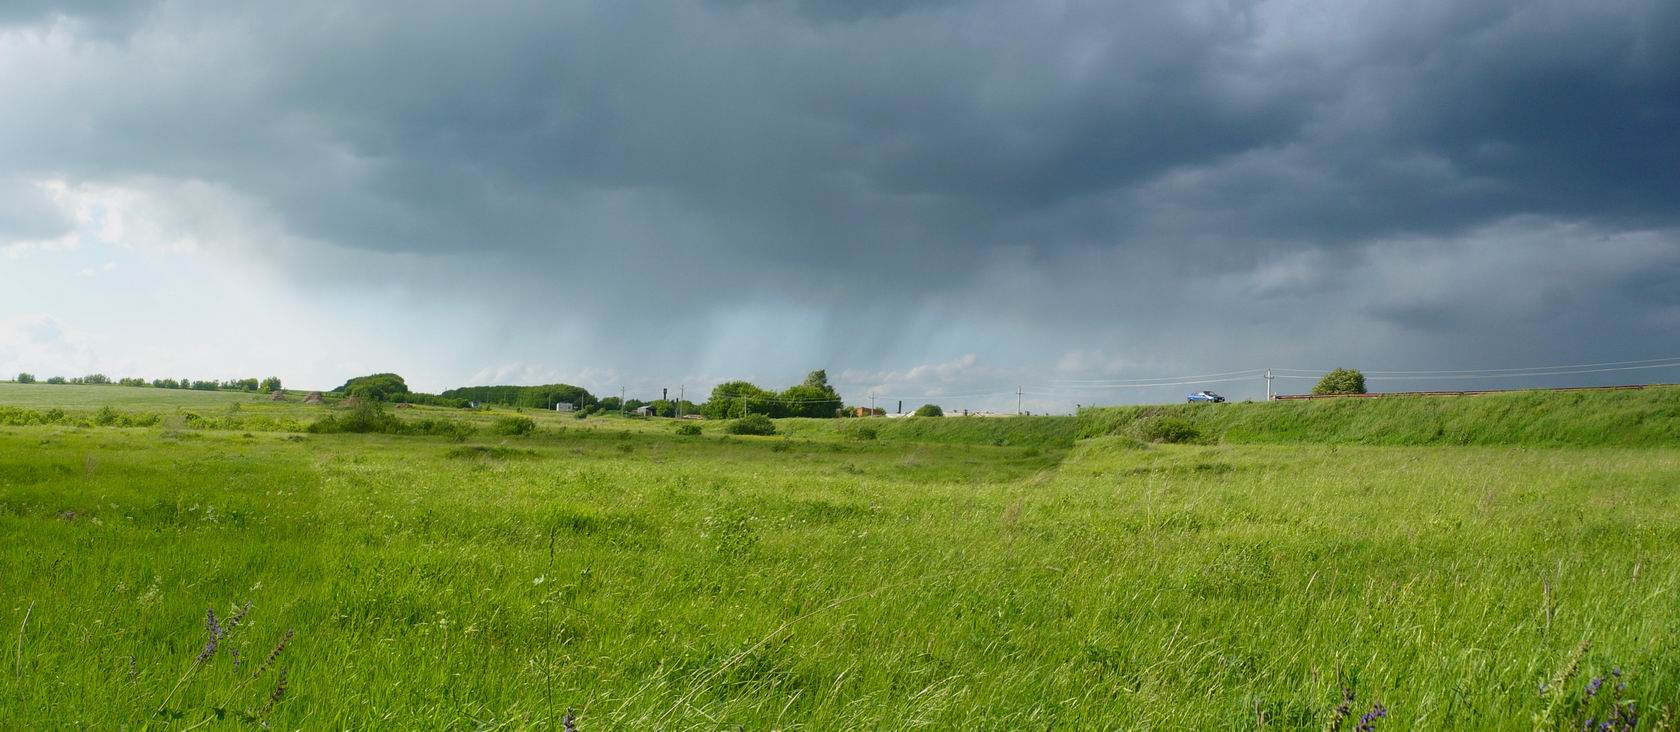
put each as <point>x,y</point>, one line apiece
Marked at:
<point>565,407</point>
<point>644,411</point>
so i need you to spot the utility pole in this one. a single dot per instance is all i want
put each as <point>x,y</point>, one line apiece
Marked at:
<point>1268,385</point>
<point>1017,400</point>
<point>621,401</point>
<point>682,393</point>
<point>872,404</point>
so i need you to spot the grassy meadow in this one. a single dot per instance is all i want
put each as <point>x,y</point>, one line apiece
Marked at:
<point>955,574</point>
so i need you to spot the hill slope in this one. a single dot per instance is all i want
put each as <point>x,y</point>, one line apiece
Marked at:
<point>1627,418</point>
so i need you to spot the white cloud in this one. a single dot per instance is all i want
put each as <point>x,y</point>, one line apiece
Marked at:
<point>42,345</point>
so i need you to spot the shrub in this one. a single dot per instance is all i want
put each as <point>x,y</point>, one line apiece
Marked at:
<point>453,429</point>
<point>688,428</point>
<point>366,416</point>
<point>513,426</point>
<point>25,378</point>
<point>752,424</point>
<point>56,380</point>
<point>1168,429</point>
<point>1341,381</point>
<point>864,432</point>
<point>929,410</point>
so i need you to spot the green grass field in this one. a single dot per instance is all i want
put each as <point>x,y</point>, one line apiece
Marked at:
<point>968,574</point>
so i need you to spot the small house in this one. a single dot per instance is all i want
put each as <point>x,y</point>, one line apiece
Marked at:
<point>565,407</point>
<point>644,411</point>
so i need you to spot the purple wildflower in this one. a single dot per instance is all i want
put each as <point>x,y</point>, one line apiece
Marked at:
<point>1594,685</point>
<point>1368,722</point>
<point>214,629</point>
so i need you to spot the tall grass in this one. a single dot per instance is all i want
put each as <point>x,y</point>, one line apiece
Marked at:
<point>805,582</point>
<point>1649,417</point>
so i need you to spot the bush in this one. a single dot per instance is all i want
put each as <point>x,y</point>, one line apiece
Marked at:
<point>864,432</point>
<point>26,378</point>
<point>366,416</point>
<point>1341,381</point>
<point>513,426</point>
<point>929,410</point>
<point>56,380</point>
<point>689,429</point>
<point>752,424</point>
<point>1168,429</point>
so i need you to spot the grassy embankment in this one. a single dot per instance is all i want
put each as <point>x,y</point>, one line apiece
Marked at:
<point>821,581</point>
<point>1649,417</point>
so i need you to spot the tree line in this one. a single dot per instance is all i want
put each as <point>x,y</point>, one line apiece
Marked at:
<point>813,397</point>
<point>269,384</point>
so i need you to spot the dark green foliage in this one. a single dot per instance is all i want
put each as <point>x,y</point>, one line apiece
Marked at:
<point>1341,381</point>
<point>735,399</point>
<point>166,384</point>
<point>206,385</point>
<point>806,400</point>
<point>25,378</point>
<point>1168,429</point>
<point>369,416</point>
<point>538,397</point>
<point>271,384</point>
<point>929,410</point>
<point>689,429</point>
<point>56,380</point>
<point>378,387</point>
<point>105,417</point>
<point>131,382</point>
<point>811,398</point>
<point>752,424</point>
<point>94,379</point>
<point>610,404</point>
<point>513,426</point>
<point>863,432</point>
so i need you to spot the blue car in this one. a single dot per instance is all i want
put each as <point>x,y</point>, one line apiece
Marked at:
<point>1205,396</point>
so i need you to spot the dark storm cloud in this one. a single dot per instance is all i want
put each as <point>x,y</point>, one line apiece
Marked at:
<point>1115,168</point>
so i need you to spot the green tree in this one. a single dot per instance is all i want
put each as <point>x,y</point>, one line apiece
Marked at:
<point>752,424</point>
<point>808,400</point>
<point>25,378</point>
<point>733,399</point>
<point>929,410</point>
<point>1341,381</point>
<point>271,384</point>
<point>378,387</point>
<point>55,380</point>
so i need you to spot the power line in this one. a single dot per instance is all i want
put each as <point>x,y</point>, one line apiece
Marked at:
<point>1244,372</point>
<point>1251,375</point>
<point>1505,370</point>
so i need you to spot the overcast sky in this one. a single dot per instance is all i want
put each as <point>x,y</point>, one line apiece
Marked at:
<point>937,197</point>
